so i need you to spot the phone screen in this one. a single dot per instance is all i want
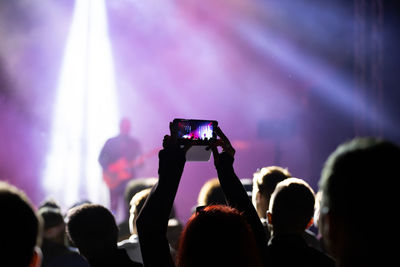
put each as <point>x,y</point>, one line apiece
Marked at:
<point>198,131</point>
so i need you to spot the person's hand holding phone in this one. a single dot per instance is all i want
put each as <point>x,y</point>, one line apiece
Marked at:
<point>225,144</point>
<point>171,141</point>
<point>172,156</point>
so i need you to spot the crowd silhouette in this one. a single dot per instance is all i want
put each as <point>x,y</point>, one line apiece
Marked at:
<point>227,228</point>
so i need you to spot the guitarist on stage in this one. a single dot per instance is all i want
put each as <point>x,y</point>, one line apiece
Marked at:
<point>118,158</point>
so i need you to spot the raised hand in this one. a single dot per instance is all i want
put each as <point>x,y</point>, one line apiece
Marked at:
<point>172,140</point>
<point>224,143</point>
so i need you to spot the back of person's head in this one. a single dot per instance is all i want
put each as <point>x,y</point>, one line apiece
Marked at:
<point>264,183</point>
<point>357,194</point>
<point>136,204</point>
<point>291,207</point>
<point>136,185</point>
<point>20,228</point>
<point>92,229</point>
<point>217,236</point>
<point>79,203</point>
<point>211,193</point>
<point>54,225</point>
<point>50,203</point>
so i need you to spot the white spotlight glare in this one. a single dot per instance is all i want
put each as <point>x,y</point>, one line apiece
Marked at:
<point>85,111</point>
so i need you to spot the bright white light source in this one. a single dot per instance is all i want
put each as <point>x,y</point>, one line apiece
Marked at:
<point>85,111</point>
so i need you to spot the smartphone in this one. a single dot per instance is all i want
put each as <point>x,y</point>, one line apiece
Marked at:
<point>198,133</point>
<point>195,132</point>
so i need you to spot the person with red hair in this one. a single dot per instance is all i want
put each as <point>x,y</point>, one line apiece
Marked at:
<point>222,236</point>
<point>215,235</point>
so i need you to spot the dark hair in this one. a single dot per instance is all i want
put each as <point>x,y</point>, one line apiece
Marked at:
<point>20,227</point>
<point>92,228</point>
<point>358,192</point>
<point>217,236</point>
<point>265,179</point>
<point>292,205</point>
<point>355,172</point>
<point>51,214</point>
<point>49,203</point>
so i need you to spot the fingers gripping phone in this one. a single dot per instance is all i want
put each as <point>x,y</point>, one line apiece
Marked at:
<point>197,133</point>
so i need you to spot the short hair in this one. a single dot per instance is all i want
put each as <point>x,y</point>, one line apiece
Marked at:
<point>217,235</point>
<point>92,228</point>
<point>51,203</point>
<point>354,181</point>
<point>292,205</point>
<point>266,179</point>
<point>51,214</point>
<point>211,193</point>
<point>138,200</point>
<point>136,185</point>
<point>20,227</point>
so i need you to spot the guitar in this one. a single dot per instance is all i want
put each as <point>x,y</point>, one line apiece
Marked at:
<point>121,170</point>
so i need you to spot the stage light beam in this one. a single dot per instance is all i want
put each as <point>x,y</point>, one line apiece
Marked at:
<point>85,109</point>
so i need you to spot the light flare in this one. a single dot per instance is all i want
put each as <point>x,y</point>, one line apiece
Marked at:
<point>85,110</point>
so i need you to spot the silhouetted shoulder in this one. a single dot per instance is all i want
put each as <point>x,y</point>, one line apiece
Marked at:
<point>292,250</point>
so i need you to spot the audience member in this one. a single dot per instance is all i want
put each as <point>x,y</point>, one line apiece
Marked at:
<point>215,235</point>
<point>174,225</point>
<point>358,194</point>
<point>131,245</point>
<point>54,248</point>
<point>291,211</point>
<point>92,228</point>
<point>225,229</point>
<point>211,193</point>
<point>79,203</point>
<point>134,186</point>
<point>264,183</point>
<point>20,229</point>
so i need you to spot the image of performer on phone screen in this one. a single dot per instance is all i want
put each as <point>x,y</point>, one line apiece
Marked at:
<point>119,160</point>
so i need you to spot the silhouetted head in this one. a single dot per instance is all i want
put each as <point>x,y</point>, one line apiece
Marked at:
<point>291,208</point>
<point>211,193</point>
<point>93,230</point>
<point>357,194</point>
<point>125,126</point>
<point>217,236</point>
<point>20,228</point>
<point>54,225</point>
<point>264,183</point>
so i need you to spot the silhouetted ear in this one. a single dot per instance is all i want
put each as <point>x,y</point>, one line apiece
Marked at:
<point>310,223</point>
<point>269,217</point>
<point>36,260</point>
